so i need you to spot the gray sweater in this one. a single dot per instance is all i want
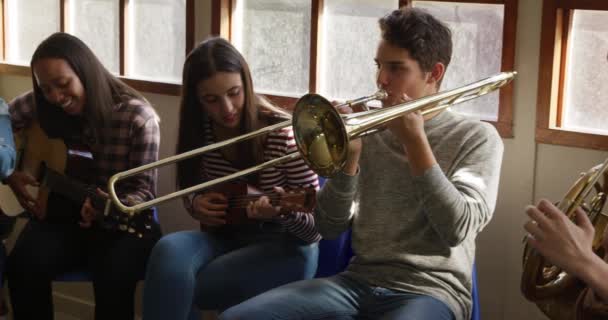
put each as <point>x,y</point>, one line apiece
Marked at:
<point>417,234</point>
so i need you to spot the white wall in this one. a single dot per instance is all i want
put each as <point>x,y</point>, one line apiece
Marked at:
<point>529,171</point>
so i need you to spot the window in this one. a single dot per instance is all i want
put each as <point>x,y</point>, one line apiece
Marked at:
<point>279,31</point>
<point>144,41</point>
<point>23,33</point>
<point>350,35</point>
<point>477,52</point>
<point>328,46</point>
<point>101,30</point>
<point>157,36</point>
<point>573,73</point>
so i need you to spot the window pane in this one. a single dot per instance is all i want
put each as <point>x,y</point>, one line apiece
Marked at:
<point>29,22</point>
<point>274,37</point>
<point>350,36</point>
<point>157,39</point>
<point>96,23</point>
<point>477,52</point>
<point>584,106</point>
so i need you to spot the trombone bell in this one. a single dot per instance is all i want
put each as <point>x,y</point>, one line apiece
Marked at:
<point>320,135</point>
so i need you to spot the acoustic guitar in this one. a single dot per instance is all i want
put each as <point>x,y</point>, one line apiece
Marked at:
<point>66,170</point>
<point>240,194</point>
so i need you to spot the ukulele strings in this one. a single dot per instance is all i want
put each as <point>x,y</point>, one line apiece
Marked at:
<point>243,201</point>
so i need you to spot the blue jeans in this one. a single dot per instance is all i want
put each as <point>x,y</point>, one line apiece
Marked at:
<point>338,297</point>
<point>213,271</point>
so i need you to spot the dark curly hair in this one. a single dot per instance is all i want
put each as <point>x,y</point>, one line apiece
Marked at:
<point>426,39</point>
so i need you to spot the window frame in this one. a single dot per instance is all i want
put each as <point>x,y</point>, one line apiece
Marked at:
<point>221,25</point>
<point>556,26</point>
<point>159,87</point>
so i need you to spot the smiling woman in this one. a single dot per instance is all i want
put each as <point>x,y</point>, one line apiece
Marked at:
<point>78,102</point>
<point>275,241</point>
<point>60,84</point>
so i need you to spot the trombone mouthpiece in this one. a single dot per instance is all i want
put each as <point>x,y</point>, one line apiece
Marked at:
<point>381,94</point>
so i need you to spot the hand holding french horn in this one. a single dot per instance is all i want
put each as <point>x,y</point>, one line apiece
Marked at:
<point>564,243</point>
<point>565,251</point>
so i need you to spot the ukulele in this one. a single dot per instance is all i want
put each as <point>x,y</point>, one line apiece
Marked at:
<point>240,194</point>
<point>66,171</point>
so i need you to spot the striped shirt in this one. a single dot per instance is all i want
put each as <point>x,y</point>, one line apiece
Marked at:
<point>291,174</point>
<point>134,141</point>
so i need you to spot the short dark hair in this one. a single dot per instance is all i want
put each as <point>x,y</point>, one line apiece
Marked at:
<point>426,39</point>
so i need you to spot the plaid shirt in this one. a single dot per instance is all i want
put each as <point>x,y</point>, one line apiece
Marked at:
<point>134,141</point>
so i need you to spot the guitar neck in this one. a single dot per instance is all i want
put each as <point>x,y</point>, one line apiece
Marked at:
<point>71,188</point>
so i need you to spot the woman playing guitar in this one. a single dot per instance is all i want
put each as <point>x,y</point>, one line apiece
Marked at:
<point>76,100</point>
<point>233,258</point>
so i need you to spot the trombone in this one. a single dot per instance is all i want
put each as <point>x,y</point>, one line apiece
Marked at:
<point>379,95</point>
<point>321,133</point>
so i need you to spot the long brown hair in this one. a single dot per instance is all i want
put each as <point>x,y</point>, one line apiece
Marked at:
<point>209,57</point>
<point>103,90</point>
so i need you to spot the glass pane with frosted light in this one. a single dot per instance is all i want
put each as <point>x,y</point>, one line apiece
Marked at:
<point>274,38</point>
<point>29,22</point>
<point>156,48</point>
<point>96,22</point>
<point>477,32</point>
<point>350,37</point>
<point>584,106</point>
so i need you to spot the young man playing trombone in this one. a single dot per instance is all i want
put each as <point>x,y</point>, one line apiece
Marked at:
<point>415,196</point>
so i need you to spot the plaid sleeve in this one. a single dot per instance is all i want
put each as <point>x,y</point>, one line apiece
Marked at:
<point>145,142</point>
<point>22,110</point>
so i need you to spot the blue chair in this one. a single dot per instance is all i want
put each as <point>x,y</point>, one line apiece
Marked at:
<point>475,312</point>
<point>85,276</point>
<point>335,254</point>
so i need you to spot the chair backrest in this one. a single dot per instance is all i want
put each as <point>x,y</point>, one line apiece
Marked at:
<point>334,255</point>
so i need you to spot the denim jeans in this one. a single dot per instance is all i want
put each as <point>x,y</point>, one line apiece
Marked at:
<point>192,269</point>
<point>338,297</point>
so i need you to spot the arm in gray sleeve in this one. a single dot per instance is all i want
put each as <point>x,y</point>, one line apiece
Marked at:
<point>462,203</point>
<point>7,143</point>
<point>334,210</point>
